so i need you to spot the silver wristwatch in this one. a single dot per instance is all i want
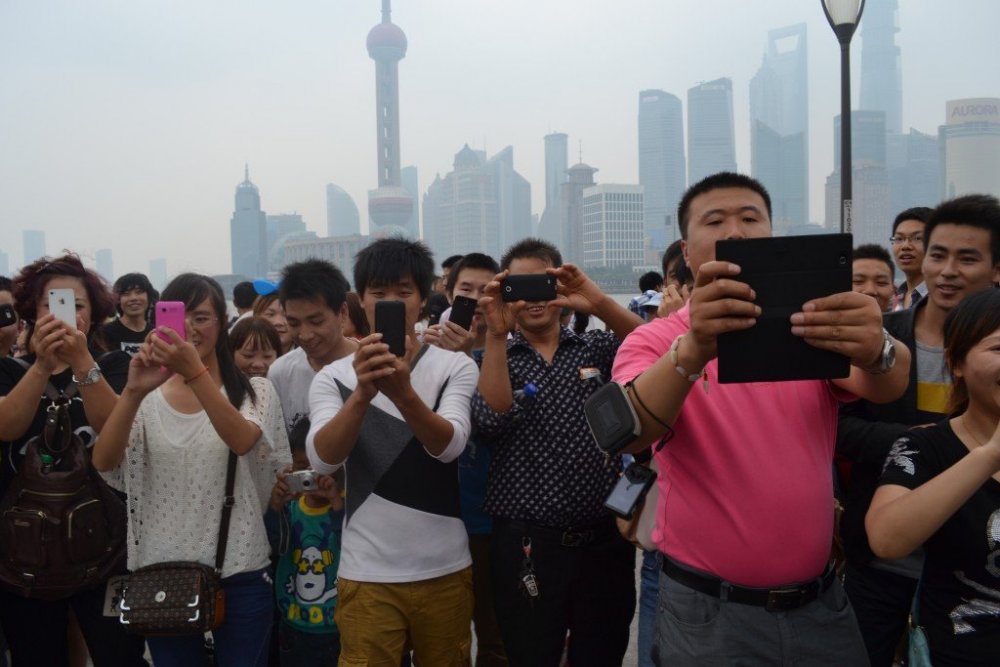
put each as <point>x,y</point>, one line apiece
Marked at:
<point>888,359</point>
<point>93,376</point>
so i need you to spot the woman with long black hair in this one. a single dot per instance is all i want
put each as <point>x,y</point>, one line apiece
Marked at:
<point>941,489</point>
<point>185,407</point>
<point>67,361</point>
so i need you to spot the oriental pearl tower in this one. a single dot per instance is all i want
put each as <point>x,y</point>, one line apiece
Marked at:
<point>389,206</point>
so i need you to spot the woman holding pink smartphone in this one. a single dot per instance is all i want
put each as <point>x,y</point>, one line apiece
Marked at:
<point>66,362</point>
<point>167,443</point>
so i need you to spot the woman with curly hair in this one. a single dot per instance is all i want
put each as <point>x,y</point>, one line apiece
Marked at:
<point>69,358</point>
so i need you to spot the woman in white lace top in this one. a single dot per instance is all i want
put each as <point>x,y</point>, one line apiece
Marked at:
<point>166,444</point>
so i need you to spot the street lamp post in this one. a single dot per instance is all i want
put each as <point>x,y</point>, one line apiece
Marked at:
<point>844,16</point>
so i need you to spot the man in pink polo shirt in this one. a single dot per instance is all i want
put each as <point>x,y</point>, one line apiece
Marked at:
<point>745,513</point>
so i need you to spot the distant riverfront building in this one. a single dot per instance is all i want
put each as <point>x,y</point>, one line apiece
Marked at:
<point>970,146</point>
<point>662,168</point>
<point>711,140</point>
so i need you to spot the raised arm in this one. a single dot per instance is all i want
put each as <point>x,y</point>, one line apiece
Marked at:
<point>579,292</point>
<point>901,519</point>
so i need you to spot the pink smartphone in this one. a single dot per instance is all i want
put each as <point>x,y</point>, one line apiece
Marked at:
<point>171,314</point>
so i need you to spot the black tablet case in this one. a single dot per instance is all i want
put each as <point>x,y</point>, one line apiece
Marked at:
<point>785,272</point>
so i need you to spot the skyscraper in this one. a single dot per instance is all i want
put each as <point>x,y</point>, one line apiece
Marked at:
<point>390,205</point>
<point>408,177</point>
<point>34,245</point>
<point>556,162</point>
<point>871,197</point>
<point>711,139</point>
<point>881,77</point>
<point>612,226</point>
<point>105,264</point>
<point>482,205</point>
<point>662,168</point>
<point>970,144</point>
<point>248,231</point>
<point>779,124</point>
<point>914,163</point>
<point>581,177</point>
<point>342,218</point>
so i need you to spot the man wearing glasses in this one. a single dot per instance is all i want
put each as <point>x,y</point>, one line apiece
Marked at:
<point>908,249</point>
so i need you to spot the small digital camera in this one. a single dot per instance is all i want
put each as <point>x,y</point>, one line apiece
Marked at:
<point>302,481</point>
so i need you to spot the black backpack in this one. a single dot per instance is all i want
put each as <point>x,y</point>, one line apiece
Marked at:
<point>62,528</point>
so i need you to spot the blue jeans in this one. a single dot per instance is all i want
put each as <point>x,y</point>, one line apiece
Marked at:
<point>649,594</point>
<point>243,639</point>
<point>308,648</point>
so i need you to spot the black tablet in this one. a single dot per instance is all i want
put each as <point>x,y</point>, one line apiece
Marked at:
<point>785,272</point>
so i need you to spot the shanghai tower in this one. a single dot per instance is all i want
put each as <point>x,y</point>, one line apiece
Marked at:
<point>390,205</point>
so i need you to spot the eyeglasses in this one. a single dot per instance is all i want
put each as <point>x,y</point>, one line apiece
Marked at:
<point>915,239</point>
<point>200,321</point>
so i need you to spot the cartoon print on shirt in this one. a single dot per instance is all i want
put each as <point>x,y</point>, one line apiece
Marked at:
<point>976,608</point>
<point>314,581</point>
<point>901,456</point>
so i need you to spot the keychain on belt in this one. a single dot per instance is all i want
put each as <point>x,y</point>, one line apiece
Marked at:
<point>528,583</point>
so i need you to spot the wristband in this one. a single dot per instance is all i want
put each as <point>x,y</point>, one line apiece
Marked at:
<point>204,369</point>
<point>690,377</point>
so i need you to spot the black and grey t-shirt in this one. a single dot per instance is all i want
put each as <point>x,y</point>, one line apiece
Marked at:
<point>120,337</point>
<point>960,589</point>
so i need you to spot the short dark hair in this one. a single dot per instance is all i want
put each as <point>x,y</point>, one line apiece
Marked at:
<point>723,179</point>
<point>875,251</point>
<point>673,251</point>
<point>313,279</point>
<point>356,313</point>
<point>982,211</point>
<point>388,261</point>
<point>651,280</point>
<point>534,248</point>
<point>975,318</point>
<point>258,331</point>
<point>131,281</point>
<point>450,261</point>
<point>5,284</point>
<point>244,295</point>
<point>919,213</point>
<point>474,260</point>
<point>297,434</point>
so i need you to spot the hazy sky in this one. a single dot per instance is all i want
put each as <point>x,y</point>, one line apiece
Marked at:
<point>126,124</point>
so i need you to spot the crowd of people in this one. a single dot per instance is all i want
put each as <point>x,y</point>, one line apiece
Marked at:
<point>390,503</point>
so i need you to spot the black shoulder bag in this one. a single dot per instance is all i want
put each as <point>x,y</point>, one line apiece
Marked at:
<point>180,597</point>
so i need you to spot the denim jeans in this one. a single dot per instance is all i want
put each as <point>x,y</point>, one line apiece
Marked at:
<point>243,639</point>
<point>307,648</point>
<point>649,594</point>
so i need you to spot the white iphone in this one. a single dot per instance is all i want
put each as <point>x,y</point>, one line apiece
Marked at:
<point>62,304</point>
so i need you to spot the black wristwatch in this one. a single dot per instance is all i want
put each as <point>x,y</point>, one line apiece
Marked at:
<point>888,359</point>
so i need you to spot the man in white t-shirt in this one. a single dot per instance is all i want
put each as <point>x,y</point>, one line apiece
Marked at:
<point>313,294</point>
<point>398,424</point>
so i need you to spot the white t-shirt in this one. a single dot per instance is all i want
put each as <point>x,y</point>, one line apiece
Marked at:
<point>174,473</point>
<point>401,524</point>
<point>292,376</point>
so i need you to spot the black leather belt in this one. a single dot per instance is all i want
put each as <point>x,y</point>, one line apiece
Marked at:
<point>775,599</point>
<point>567,537</point>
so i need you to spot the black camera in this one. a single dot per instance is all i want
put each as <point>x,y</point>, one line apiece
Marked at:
<point>7,315</point>
<point>611,418</point>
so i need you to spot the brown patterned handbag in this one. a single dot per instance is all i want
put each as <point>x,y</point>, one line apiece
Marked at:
<point>180,597</point>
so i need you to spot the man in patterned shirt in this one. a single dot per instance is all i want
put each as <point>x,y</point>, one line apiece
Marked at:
<point>548,481</point>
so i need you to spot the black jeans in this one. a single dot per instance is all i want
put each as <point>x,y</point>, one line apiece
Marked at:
<point>36,631</point>
<point>588,590</point>
<point>881,601</point>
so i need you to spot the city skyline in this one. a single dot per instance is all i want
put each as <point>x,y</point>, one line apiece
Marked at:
<point>142,114</point>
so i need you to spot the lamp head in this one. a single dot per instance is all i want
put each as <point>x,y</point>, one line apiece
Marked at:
<point>844,17</point>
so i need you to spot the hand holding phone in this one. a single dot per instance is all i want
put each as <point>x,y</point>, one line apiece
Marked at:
<point>630,489</point>
<point>532,287</point>
<point>390,321</point>
<point>462,310</point>
<point>171,314</point>
<point>62,304</point>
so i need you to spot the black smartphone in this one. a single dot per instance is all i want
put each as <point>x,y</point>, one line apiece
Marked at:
<point>462,310</point>
<point>7,315</point>
<point>390,321</point>
<point>631,487</point>
<point>529,287</point>
<point>785,272</point>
